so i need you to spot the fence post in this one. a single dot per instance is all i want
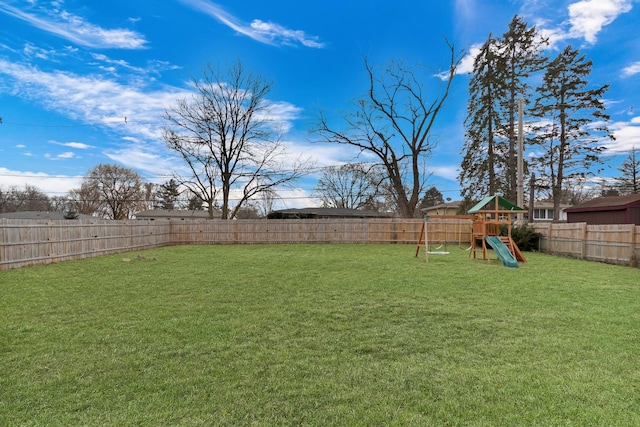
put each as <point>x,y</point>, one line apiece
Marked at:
<point>633,262</point>
<point>551,240</point>
<point>583,255</point>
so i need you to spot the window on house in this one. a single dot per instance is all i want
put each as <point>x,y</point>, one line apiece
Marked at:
<point>543,214</point>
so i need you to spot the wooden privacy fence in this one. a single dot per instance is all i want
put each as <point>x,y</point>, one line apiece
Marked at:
<point>383,230</point>
<point>615,244</point>
<point>29,242</point>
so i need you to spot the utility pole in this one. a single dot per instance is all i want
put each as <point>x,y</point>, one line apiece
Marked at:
<point>520,187</point>
<point>532,189</point>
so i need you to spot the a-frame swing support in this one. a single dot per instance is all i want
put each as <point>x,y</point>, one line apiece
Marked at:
<point>424,236</point>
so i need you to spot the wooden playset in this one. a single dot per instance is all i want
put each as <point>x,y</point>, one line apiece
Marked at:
<point>490,214</point>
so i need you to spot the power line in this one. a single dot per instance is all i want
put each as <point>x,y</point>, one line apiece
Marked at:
<point>115,120</point>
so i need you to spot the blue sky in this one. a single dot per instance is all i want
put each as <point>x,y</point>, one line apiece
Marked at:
<point>71,71</point>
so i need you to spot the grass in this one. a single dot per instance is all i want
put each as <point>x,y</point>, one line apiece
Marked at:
<point>318,335</point>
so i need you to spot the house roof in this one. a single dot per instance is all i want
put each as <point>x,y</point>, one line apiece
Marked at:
<point>327,212</point>
<point>42,215</point>
<point>449,205</point>
<point>503,204</point>
<point>172,213</point>
<point>607,203</point>
<point>548,205</point>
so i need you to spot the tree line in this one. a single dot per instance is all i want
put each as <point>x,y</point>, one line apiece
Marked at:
<point>234,160</point>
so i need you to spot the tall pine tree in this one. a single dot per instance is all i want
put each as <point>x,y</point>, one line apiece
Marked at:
<point>501,75</point>
<point>573,121</point>
<point>480,161</point>
<point>629,181</point>
<point>522,57</point>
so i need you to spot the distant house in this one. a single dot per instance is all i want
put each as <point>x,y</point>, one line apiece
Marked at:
<point>44,215</point>
<point>607,210</point>
<point>325,213</point>
<point>172,214</point>
<point>450,208</point>
<point>543,211</point>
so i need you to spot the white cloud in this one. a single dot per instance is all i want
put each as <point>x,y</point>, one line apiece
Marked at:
<point>295,198</point>
<point>133,112</point>
<point>466,65</point>
<point>94,99</point>
<point>631,70</point>
<point>52,185</point>
<point>283,114</point>
<point>77,145</point>
<point>146,159</point>
<point>264,32</point>
<point>323,154</point>
<point>445,171</point>
<point>32,51</point>
<point>77,30</point>
<point>130,109</point>
<point>587,17</point>
<point>280,35</point>
<point>627,136</point>
<point>61,156</point>
<point>586,20</point>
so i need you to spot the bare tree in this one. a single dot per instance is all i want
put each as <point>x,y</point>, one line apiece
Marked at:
<point>84,200</point>
<point>393,124</point>
<point>351,186</point>
<point>29,198</point>
<point>264,202</point>
<point>228,139</point>
<point>59,203</point>
<point>110,191</point>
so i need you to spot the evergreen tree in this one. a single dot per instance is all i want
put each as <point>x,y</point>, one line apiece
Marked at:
<point>501,75</point>
<point>432,197</point>
<point>194,203</point>
<point>574,122</point>
<point>167,195</point>
<point>629,181</point>
<point>522,57</point>
<point>479,163</point>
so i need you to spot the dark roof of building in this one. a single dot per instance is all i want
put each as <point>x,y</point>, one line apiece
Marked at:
<point>449,205</point>
<point>42,215</point>
<point>327,212</point>
<point>607,203</point>
<point>172,214</point>
<point>545,204</point>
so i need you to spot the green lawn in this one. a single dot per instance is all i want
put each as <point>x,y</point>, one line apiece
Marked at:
<point>319,335</point>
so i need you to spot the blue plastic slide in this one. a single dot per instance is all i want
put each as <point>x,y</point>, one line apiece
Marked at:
<point>502,251</point>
